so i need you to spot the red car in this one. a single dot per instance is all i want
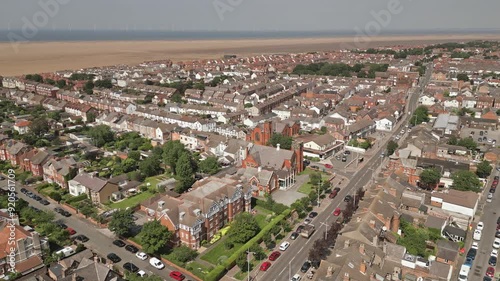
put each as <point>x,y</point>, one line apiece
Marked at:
<point>177,275</point>
<point>265,266</point>
<point>274,255</point>
<point>70,230</point>
<point>333,194</point>
<point>337,212</point>
<point>490,272</point>
<point>329,166</point>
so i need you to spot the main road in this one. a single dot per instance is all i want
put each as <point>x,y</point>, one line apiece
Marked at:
<point>297,253</point>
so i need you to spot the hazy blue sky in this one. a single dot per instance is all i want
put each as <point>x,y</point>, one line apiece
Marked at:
<point>296,15</point>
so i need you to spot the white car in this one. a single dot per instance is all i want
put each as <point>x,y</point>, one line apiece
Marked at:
<point>494,253</point>
<point>156,263</point>
<point>477,235</point>
<point>296,277</point>
<point>142,256</point>
<point>141,273</point>
<point>480,226</point>
<point>496,243</point>
<point>489,198</point>
<point>284,246</point>
<point>475,245</point>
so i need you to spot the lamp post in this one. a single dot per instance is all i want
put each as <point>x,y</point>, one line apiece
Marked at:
<point>326,226</point>
<point>248,262</point>
<point>320,179</point>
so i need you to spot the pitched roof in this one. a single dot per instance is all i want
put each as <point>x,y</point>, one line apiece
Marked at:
<point>90,182</point>
<point>270,157</point>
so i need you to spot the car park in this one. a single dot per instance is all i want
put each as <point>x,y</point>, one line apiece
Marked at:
<point>305,267</point>
<point>119,243</point>
<point>294,235</point>
<point>113,257</point>
<point>141,255</point>
<point>130,267</point>
<point>158,264</point>
<point>177,275</point>
<point>265,266</point>
<point>284,246</point>
<point>131,248</point>
<point>274,255</point>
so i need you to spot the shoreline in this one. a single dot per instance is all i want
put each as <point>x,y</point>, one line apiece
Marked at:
<point>38,57</point>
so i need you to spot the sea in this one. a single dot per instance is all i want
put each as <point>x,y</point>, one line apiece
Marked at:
<point>149,35</point>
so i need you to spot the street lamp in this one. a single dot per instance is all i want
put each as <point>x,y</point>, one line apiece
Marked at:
<point>320,179</point>
<point>326,226</point>
<point>248,262</point>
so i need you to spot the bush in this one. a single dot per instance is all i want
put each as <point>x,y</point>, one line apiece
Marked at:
<point>78,198</point>
<point>216,274</point>
<point>56,196</point>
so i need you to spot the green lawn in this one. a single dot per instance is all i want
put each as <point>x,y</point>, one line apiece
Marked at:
<point>132,201</point>
<point>218,251</point>
<point>198,269</point>
<point>153,181</point>
<point>261,220</point>
<point>262,210</point>
<point>306,188</point>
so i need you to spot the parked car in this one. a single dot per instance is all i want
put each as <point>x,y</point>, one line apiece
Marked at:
<point>71,231</point>
<point>307,221</point>
<point>333,194</point>
<point>177,275</point>
<point>66,213</point>
<point>294,235</point>
<point>471,254</point>
<point>313,215</point>
<point>113,257</point>
<point>131,248</point>
<point>305,267</point>
<point>336,189</point>
<point>142,273</point>
<point>299,229</point>
<point>130,267</point>
<point>347,198</point>
<point>489,198</point>
<point>82,238</point>
<point>284,246</point>
<point>496,243</point>
<point>142,256</point>
<point>328,166</point>
<point>296,277</point>
<point>265,266</point>
<point>492,261</point>
<point>274,255</point>
<point>337,212</point>
<point>44,202</point>
<point>477,235</point>
<point>490,272</point>
<point>158,264</point>
<point>119,243</point>
<point>61,225</point>
<point>480,226</point>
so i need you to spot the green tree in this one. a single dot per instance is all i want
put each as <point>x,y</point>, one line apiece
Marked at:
<point>184,166</point>
<point>101,135</point>
<point>106,83</point>
<point>243,228</point>
<point>284,141</point>
<point>172,150</point>
<point>453,140</point>
<point>466,180</point>
<point>391,147</point>
<point>184,254</point>
<point>184,184</point>
<point>154,237</point>
<point>462,77</point>
<point>56,196</point>
<point>150,166</point>
<point>498,112</point>
<point>484,169</point>
<point>39,127</point>
<point>468,143</point>
<point>134,155</point>
<point>61,83</point>
<point>121,222</point>
<point>430,177</point>
<point>91,117</point>
<point>420,115</point>
<point>242,263</point>
<point>210,165</point>
<point>314,178</point>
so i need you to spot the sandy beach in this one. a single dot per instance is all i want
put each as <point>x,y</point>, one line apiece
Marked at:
<point>37,57</point>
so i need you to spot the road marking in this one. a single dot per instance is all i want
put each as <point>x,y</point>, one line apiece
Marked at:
<point>301,249</point>
<point>282,271</point>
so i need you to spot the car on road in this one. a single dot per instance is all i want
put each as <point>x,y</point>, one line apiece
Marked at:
<point>61,225</point>
<point>337,212</point>
<point>131,248</point>
<point>44,202</point>
<point>496,243</point>
<point>328,166</point>
<point>305,267</point>
<point>66,213</point>
<point>490,272</point>
<point>477,235</point>
<point>71,231</point>
<point>113,257</point>
<point>475,245</point>
<point>296,277</point>
<point>480,226</point>
<point>313,215</point>
<point>489,198</point>
<point>82,238</point>
<point>294,235</point>
<point>333,194</point>
<point>284,246</point>
<point>274,255</point>
<point>307,221</point>
<point>347,198</point>
<point>130,267</point>
<point>472,253</point>
<point>142,256</point>
<point>158,264</point>
<point>494,253</point>
<point>265,266</point>
<point>119,243</point>
<point>299,229</point>
<point>177,275</point>
<point>468,262</point>
<point>492,261</point>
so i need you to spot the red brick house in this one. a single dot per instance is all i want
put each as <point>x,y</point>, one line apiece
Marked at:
<point>59,171</point>
<point>12,151</point>
<point>34,160</point>
<point>263,132</point>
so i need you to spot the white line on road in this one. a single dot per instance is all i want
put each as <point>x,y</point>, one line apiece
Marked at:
<point>282,271</point>
<point>301,249</point>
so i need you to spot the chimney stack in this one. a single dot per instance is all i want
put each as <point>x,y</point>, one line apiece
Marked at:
<point>278,147</point>
<point>362,267</point>
<point>362,249</point>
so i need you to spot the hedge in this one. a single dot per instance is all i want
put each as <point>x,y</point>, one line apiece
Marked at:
<point>78,198</point>
<point>220,270</point>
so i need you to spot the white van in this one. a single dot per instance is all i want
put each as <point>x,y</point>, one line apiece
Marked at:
<point>66,252</point>
<point>464,273</point>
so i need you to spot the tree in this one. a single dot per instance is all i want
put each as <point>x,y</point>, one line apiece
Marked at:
<point>243,227</point>
<point>39,127</point>
<point>150,166</point>
<point>462,77</point>
<point>242,263</point>
<point>184,166</point>
<point>465,180</point>
<point>154,236</point>
<point>420,115</point>
<point>184,184</point>
<point>56,196</point>
<point>468,143</point>
<point>314,178</point>
<point>484,169</point>
<point>284,141</point>
<point>184,254</point>
<point>91,117</point>
<point>101,135</point>
<point>210,165</point>
<point>430,177</point>
<point>135,155</point>
<point>498,112</point>
<point>391,147</point>
<point>453,140</point>
<point>324,130</point>
<point>121,222</point>
<point>106,83</point>
<point>172,150</point>
<point>61,83</point>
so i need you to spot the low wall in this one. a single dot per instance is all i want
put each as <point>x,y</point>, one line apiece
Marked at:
<point>355,149</point>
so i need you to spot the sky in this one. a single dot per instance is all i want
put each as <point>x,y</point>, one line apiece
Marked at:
<point>251,15</point>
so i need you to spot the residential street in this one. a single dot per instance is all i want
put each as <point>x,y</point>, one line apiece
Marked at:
<point>98,242</point>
